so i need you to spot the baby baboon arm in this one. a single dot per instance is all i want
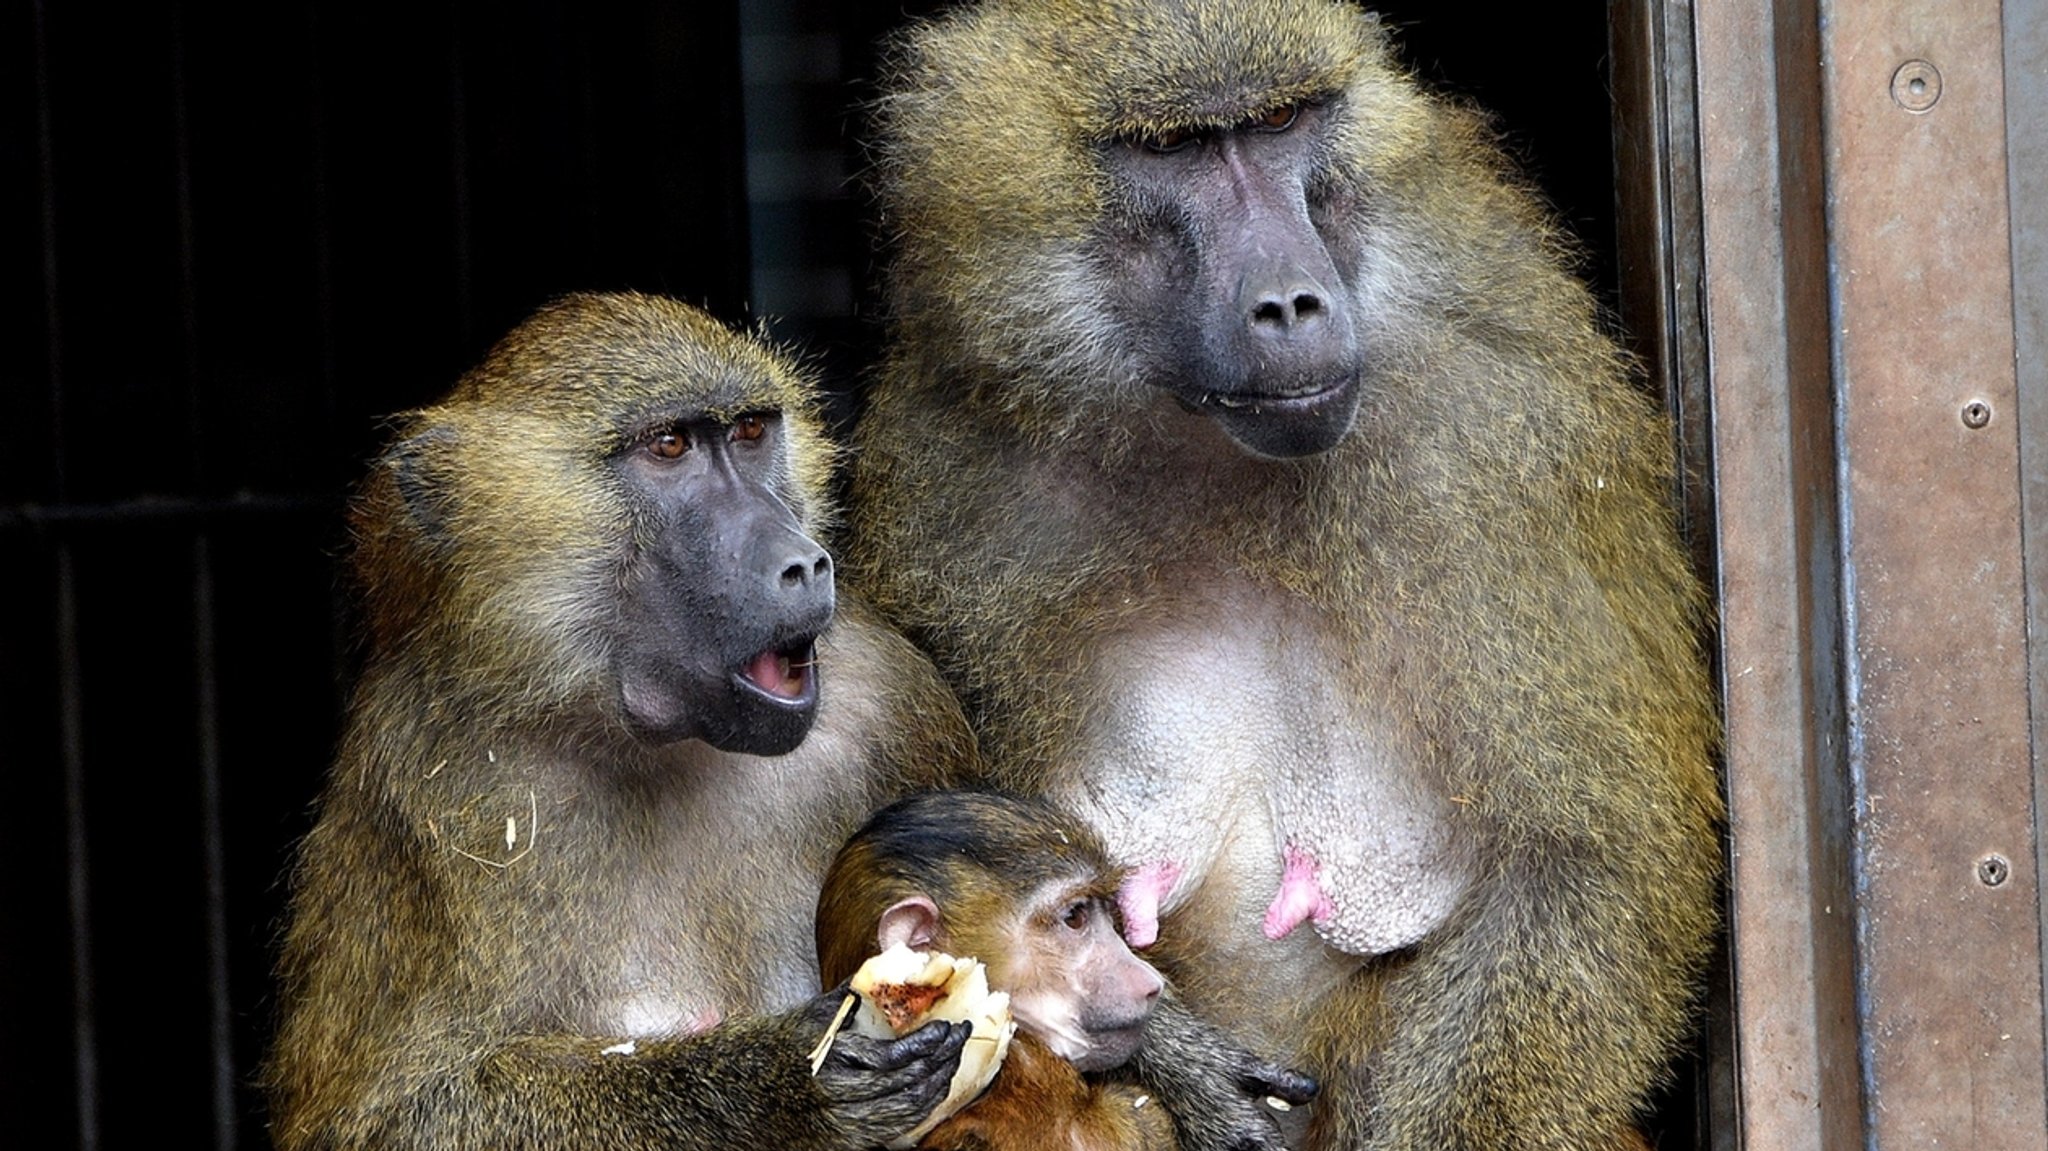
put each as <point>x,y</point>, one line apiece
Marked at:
<point>1214,1089</point>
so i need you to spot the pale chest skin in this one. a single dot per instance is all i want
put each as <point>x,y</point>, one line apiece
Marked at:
<point>698,876</point>
<point>1234,756</point>
<point>693,951</point>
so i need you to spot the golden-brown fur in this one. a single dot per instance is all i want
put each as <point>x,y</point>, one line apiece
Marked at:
<point>1040,1103</point>
<point>515,924</point>
<point>1478,588</point>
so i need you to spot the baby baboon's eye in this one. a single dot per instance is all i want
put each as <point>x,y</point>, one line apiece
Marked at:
<point>1076,915</point>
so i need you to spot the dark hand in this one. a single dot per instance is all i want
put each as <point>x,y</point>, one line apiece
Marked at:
<point>1216,1090</point>
<point>1260,1080</point>
<point>877,1089</point>
<point>1249,1121</point>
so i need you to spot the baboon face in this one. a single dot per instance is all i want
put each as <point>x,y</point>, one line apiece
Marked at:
<point>1235,301</point>
<point>726,595</point>
<point>1177,213</point>
<point>611,516</point>
<point>1013,881</point>
<point>1075,982</point>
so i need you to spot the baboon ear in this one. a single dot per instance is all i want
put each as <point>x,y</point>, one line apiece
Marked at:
<point>418,466</point>
<point>914,923</point>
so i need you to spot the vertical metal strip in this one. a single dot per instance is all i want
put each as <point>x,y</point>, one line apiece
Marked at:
<point>206,691</point>
<point>70,705</point>
<point>2026,179</point>
<point>1948,906</point>
<point>1657,216</point>
<point>1763,261</point>
<point>1658,226</point>
<point>206,701</point>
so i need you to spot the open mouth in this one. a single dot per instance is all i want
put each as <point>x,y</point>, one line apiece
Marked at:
<point>785,674</point>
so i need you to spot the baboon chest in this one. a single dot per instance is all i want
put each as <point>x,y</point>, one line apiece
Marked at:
<point>714,915</point>
<point>1266,785</point>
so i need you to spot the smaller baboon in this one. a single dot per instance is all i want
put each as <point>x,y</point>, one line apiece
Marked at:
<point>607,737</point>
<point>1028,890</point>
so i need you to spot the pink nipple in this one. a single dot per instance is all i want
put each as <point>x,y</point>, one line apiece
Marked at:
<point>1300,898</point>
<point>1140,896</point>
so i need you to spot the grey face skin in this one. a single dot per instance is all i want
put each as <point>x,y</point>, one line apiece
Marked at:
<point>726,601</point>
<point>1230,287</point>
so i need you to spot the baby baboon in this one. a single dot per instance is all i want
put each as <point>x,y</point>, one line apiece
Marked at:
<point>1248,455</point>
<point>1021,886</point>
<point>608,735</point>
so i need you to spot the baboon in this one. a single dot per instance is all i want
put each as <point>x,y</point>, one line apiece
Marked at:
<point>607,738</point>
<point>1029,891</point>
<point>1248,456</point>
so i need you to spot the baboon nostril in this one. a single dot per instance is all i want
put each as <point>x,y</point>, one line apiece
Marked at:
<point>1286,310</point>
<point>800,573</point>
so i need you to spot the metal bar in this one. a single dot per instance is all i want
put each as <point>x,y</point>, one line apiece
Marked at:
<point>1940,749</point>
<point>224,512</point>
<point>213,844</point>
<point>71,720</point>
<point>1657,218</point>
<point>206,692</point>
<point>70,713</point>
<point>1763,247</point>
<point>2026,166</point>
<point>1658,246</point>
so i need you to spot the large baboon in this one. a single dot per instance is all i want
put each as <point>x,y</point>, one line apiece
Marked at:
<point>1248,456</point>
<point>559,894</point>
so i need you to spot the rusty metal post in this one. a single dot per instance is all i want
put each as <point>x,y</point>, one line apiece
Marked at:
<point>1948,913</point>
<point>1765,288</point>
<point>2026,166</point>
<point>1876,430</point>
<point>1869,302</point>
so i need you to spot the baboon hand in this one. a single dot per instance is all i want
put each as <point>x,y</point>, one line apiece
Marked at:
<point>1262,1080</point>
<point>877,1089</point>
<point>1250,1120</point>
<point>1217,1091</point>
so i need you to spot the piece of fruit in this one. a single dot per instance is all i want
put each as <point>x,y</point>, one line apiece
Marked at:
<point>902,990</point>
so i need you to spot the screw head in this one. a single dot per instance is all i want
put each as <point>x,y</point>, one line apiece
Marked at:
<point>1976,414</point>
<point>1916,86</point>
<point>1993,870</point>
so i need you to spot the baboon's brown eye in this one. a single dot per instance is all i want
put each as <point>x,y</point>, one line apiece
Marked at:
<point>1279,119</point>
<point>749,428</point>
<point>668,445</point>
<point>1076,916</point>
<point>1171,140</point>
